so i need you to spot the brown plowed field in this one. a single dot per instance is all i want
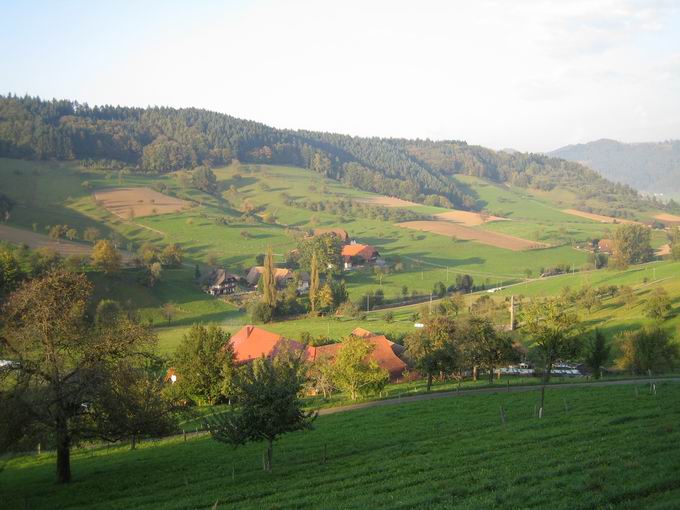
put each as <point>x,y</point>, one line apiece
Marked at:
<point>597,217</point>
<point>129,203</point>
<point>468,218</point>
<point>387,201</point>
<point>448,228</point>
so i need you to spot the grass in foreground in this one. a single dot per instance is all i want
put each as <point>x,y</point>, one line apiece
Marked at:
<point>610,449</point>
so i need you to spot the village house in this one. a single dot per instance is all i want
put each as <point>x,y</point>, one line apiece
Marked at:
<point>358,254</point>
<point>283,277</point>
<point>220,282</point>
<point>385,353</point>
<point>251,342</point>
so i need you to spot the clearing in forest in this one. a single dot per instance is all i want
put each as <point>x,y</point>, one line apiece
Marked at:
<point>468,218</point>
<point>597,217</point>
<point>129,203</point>
<point>448,228</point>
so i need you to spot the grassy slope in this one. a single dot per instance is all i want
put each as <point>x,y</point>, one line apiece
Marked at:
<point>50,192</point>
<point>609,450</point>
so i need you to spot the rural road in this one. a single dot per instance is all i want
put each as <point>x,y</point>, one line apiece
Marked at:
<point>483,391</point>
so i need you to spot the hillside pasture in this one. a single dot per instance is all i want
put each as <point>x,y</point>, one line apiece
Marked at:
<point>450,229</point>
<point>131,203</point>
<point>595,447</point>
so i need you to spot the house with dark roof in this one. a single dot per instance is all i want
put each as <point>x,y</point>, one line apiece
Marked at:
<point>220,282</point>
<point>282,275</point>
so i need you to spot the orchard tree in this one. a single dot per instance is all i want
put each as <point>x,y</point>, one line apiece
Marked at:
<point>266,403</point>
<point>632,245</point>
<point>204,363</point>
<point>649,349</point>
<point>354,372</point>
<point>658,305</point>
<point>435,348</point>
<point>91,234</point>
<point>484,347</point>
<point>61,385</point>
<point>204,179</point>
<point>596,353</point>
<point>552,334</point>
<point>106,257</point>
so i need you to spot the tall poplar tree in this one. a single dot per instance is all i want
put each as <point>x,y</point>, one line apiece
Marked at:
<point>269,279</point>
<point>314,283</point>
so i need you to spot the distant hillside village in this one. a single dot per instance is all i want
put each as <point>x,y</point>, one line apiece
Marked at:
<point>352,254</point>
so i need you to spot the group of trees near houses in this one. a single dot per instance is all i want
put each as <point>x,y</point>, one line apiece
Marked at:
<point>156,140</point>
<point>319,258</point>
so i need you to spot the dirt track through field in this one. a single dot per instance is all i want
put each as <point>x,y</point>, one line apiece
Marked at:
<point>596,217</point>
<point>129,203</point>
<point>36,241</point>
<point>450,229</point>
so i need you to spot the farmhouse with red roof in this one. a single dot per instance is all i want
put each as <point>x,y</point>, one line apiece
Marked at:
<point>251,342</point>
<point>356,253</point>
<point>384,353</point>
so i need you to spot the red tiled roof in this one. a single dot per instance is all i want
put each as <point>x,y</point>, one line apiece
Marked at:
<point>383,354</point>
<point>358,250</point>
<point>251,342</point>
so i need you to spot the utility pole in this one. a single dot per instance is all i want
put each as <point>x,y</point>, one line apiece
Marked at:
<point>368,301</point>
<point>430,302</point>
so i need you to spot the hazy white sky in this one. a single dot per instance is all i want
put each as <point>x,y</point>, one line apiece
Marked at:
<point>532,75</point>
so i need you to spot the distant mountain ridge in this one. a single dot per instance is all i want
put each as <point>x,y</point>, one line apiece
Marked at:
<point>650,167</point>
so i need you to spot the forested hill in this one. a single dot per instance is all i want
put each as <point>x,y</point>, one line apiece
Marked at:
<point>157,140</point>
<point>648,167</point>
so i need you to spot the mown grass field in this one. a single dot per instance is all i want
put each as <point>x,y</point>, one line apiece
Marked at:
<point>607,449</point>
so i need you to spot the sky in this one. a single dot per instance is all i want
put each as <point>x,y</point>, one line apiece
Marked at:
<point>530,75</point>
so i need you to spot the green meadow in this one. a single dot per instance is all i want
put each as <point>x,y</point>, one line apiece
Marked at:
<point>595,447</point>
